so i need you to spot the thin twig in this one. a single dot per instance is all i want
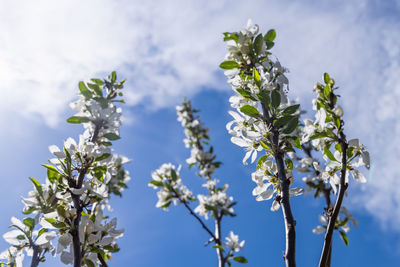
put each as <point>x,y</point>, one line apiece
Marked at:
<point>103,263</point>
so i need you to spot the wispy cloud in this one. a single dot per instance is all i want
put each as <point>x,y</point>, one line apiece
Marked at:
<point>171,49</point>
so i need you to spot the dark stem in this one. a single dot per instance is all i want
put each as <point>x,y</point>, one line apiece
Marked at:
<point>36,256</point>
<point>101,259</point>
<point>284,182</point>
<point>220,253</point>
<point>197,217</point>
<point>326,250</point>
<point>290,223</point>
<point>76,243</point>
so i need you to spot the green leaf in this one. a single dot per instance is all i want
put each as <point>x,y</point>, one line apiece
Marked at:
<point>104,156</point>
<point>106,143</point>
<point>344,237</point>
<point>327,79</point>
<point>250,111</point>
<point>297,143</point>
<point>256,76</point>
<point>261,161</point>
<point>56,223</point>
<point>338,147</point>
<point>21,237</point>
<point>269,44</point>
<point>77,119</point>
<point>29,222</point>
<point>289,163</point>
<point>337,123</point>
<point>84,90</point>
<point>270,35</point>
<point>52,175</point>
<point>283,121</point>
<point>111,136</point>
<point>327,90</point>
<point>231,36</point>
<point>245,93</point>
<point>37,185</point>
<point>240,259</point>
<point>174,176</point>
<point>209,207</point>
<point>95,88</point>
<point>328,153</point>
<point>156,183</point>
<point>264,97</point>
<point>61,211</point>
<point>97,81</point>
<point>89,263</point>
<point>228,65</point>
<point>275,98</point>
<point>166,205</point>
<point>264,145</point>
<point>41,231</point>
<point>291,125</point>
<point>219,247</point>
<point>291,109</point>
<point>258,42</point>
<point>113,77</point>
<point>319,135</point>
<point>28,211</point>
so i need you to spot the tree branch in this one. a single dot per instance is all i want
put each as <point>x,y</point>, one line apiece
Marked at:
<point>326,250</point>
<point>195,215</point>
<point>76,244</point>
<point>35,257</point>
<point>220,253</point>
<point>290,223</point>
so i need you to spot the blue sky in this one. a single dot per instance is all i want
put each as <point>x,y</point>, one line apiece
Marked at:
<point>169,50</point>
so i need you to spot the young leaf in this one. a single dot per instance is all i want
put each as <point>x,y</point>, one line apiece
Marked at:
<point>291,109</point>
<point>344,237</point>
<point>77,119</point>
<point>270,35</point>
<point>29,222</point>
<point>37,185</point>
<point>328,153</point>
<point>228,65</point>
<point>111,136</point>
<point>258,42</point>
<point>245,93</point>
<point>219,247</point>
<point>104,156</point>
<point>84,90</point>
<point>113,77</point>
<point>240,259</point>
<point>261,161</point>
<point>327,79</point>
<point>156,183</point>
<point>250,111</point>
<point>256,76</point>
<point>291,125</point>
<point>264,97</point>
<point>275,98</point>
<point>282,121</point>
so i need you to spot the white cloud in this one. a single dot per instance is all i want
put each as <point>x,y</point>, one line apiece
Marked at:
<point>171,49</point>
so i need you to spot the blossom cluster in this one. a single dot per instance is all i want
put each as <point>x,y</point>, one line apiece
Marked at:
<point>217,202</point>
<point>265,119</point>
<point>326,133</point>
<point>80,180</point>
<point>172,190</point>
